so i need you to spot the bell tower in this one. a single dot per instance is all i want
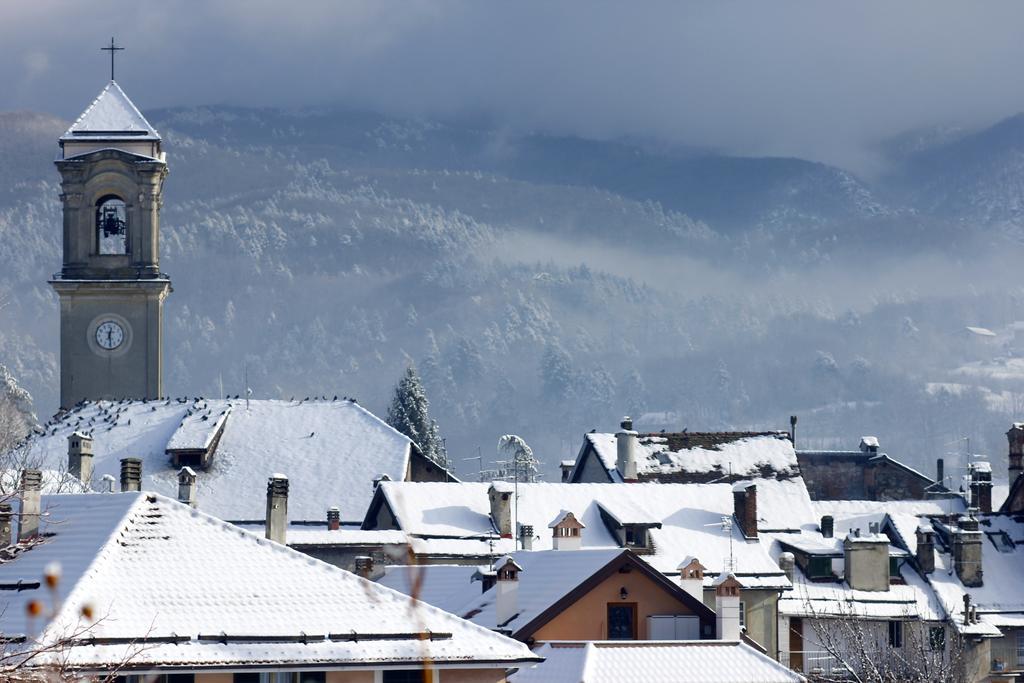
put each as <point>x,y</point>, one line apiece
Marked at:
<point>110,287</point>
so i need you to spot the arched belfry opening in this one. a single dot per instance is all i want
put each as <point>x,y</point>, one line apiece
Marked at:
<point>111,226</point>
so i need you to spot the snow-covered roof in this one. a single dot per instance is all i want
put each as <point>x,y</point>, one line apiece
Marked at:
<point>690,516</point>
<point>331,450</point>
<point>999,602</point>
<point>700,661</point>
<point>844,509</point>
<point>700,456</point>
<point>445,586</point>
<point>205,593</point>
<point>545,577</point>
<point>111,116</point>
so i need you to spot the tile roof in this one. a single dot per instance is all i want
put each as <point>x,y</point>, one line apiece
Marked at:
<point>330,450</point>
<point>152,568</point>
<point>700,661</point>
<point>111,116</point>
<point>701,456</point>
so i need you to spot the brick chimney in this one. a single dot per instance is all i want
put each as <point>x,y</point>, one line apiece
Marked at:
<point>526,536</point>
<point>787,563</point>
<point>1016,438</point>
<point>727,606</point>
<point>566,531</point>
<point>187,486</point>
<point>277,508</point>
<point>506,605</point>
<point>333,518</point>
<point>500,496</point>
<point>80,457</point>
<point>626,443</point>
<point>827,526</point>
<point>131,474</point>
<point>691,577</point>
<point>744,499</point>
<point>925,548</point>
<point>6,527</point>
<point>981,486</point>
<point>31,504</point>
<point>967,552</point>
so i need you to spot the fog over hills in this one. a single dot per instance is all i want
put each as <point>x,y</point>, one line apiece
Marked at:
<point>548,285</point>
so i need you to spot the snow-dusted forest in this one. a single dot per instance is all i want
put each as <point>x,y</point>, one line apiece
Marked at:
<point>546,286</point>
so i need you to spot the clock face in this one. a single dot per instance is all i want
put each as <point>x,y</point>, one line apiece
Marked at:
<point>109,335</point>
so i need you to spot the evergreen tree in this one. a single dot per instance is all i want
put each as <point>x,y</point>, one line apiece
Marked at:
<point>409,414</point>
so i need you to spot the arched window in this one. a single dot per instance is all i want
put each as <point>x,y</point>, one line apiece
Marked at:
<point>111,226</point>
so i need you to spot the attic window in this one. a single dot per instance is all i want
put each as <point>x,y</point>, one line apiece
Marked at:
<point>1001,540</point>
<point>819,567</point>
<point>636,536</point>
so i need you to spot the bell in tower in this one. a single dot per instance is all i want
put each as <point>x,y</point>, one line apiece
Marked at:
<point>111,290</point>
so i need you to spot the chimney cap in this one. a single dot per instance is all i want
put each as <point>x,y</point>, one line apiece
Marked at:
<point>278,475</point>
<point>504,562</point>
<point>689,560</point>
<point>186,471</point>
<point>566,518</point>
<point>79,435</point>
<point>501,487</point>
<point>741,486</point>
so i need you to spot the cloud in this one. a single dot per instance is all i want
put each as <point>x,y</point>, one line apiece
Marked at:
<point>818,80</point>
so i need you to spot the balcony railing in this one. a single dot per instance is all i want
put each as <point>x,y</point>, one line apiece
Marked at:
<point>815,663</point>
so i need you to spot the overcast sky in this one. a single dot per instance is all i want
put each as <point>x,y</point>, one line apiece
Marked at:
<point>822,80</point>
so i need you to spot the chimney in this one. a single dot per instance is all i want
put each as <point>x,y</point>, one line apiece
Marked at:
<point>940,470</point>
<point>867,561</point>
<point>744,499</point>
<point>500,496</point>
<point>981,486</point>
<point>967,552</point>
<point>869,445</point>
<point>187,486</point>
<point>691,577</point>
<point>792,430</point>
<point>727,606</point>
<point>364,567</point>
<point>80,457</point>
<point>827,526</point>
<point>1016,438</point>
<point>131,474</point>
<point>31,503</point>
<point>626,441</point>
<point>787,563</point>
<point>6,515</point>
<point>526,536</point>
<point>277,508</point>
<point>507,584</point>
<point>566,531</point>
<point>333,518</point>
<point>925,548</point>
<point>566,466</point>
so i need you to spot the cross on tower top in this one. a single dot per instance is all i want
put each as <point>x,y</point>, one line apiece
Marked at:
<point>112,49</point>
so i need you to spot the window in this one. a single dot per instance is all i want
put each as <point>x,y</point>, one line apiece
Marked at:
<point>894,567</point>
<point>246,678</point>
<point>937,638</point>
<point>622,621</point>
<point>1020,648</point>
<point>895,634</point>
<point>819,567</point>
<point>111,226</point>
<point>743,614</point>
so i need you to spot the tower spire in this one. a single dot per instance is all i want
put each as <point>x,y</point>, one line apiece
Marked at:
<point>112,49</point>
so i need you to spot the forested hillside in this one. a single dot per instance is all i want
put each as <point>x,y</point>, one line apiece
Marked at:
<point>546,286</point>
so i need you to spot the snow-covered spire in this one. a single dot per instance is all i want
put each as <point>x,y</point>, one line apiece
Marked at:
<point>111,114</point>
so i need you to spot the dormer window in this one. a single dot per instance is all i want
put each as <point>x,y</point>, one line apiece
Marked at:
<point>819,567</point>
<point>111,226</point>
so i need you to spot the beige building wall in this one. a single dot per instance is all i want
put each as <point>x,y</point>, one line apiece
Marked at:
<point>587,618</point>
<point>761,610</point>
